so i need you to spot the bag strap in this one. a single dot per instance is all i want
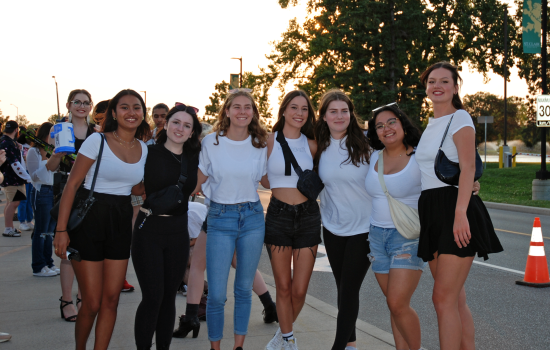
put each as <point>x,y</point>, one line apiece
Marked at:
<point>446,130</point>
<point>381,172</point>
<point>99,156</point>
<point>288,155</point>
<point>183,174</point>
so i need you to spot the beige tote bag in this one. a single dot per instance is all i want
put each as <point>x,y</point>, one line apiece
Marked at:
<point>404,218</point>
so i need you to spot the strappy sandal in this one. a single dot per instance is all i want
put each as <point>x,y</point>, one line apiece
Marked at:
<point>78,300</point>
<point>61,306</point>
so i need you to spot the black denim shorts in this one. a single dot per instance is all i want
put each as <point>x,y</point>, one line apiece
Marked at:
<point>296,226</point>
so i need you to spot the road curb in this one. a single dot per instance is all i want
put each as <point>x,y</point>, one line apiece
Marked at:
<point>518,208</point>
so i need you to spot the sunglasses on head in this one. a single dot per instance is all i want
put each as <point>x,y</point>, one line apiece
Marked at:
<point>183,108</point>
<point>388,105</point>
<point>234,91</point>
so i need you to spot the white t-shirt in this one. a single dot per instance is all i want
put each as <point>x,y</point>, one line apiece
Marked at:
<point>345,203</point>
<point>276,165</point>
<point>430,141</point>
<point>195,217</point>
<point>114,176</point>
<point>234,169</point>
<point>405,186</point>
<point>40,175</point>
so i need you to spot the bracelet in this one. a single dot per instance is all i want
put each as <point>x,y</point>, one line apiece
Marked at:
<point>60,230</point>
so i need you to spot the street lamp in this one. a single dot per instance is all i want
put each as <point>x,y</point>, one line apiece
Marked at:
<point>17,109</point>
<point>57,94</point>
<point>241,73</point>
<point>145,93</point>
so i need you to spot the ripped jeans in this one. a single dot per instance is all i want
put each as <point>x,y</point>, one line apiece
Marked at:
<point>390,250</point>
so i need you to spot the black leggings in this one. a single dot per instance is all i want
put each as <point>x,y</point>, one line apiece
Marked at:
<point>350,263</point>
<point>159,261</point>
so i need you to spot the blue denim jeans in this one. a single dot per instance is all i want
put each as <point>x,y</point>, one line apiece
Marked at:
<point>43,228</point>
<point>235,227</point>
<point>25,208</point>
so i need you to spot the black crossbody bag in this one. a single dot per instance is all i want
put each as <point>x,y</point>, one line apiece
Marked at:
<point>448,171</point>
<point>309,182</point>
<point>79,211</point>
<point>169,198</point>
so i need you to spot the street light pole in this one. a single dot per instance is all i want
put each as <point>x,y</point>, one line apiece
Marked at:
<point>17,109</point>
<point>543,174</point>
<point>505,72</point>
<point>241,72</point>
<point>57,94</point>
<point>145,93</point>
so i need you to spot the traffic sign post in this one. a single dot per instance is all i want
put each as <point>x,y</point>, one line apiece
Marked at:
<point>543,111</point>
<point>486,120</point>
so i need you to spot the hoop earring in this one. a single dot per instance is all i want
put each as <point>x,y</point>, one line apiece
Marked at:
<point>114,118</point>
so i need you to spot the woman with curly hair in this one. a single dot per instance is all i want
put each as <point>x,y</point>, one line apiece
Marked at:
<point>342,161</point>
<point>233,160</point>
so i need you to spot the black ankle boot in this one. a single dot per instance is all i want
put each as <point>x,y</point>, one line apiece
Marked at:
<point>270,314</point>
<point>163,347</point>
<point>187,325</point>
<point>144,347</point>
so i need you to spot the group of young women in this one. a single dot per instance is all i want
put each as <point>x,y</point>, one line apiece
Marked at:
<point>358,228</point>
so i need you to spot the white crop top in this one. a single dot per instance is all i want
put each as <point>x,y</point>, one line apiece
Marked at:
<point>234,169</point>
<point>403,186</point>
<point>276,162</point>
<point>114,176</point>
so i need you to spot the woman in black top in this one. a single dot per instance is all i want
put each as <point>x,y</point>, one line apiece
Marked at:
<point>160,245</point>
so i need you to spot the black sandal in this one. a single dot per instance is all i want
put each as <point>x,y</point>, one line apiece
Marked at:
<point>61,306</point>
<point>78,300</point>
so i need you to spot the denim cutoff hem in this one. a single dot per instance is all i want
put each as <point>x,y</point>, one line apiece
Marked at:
<point>390,250</point>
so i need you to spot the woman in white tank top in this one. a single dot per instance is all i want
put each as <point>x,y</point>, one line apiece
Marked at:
<point>293,223</point>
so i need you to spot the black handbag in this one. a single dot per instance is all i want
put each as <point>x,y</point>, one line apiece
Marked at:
<point>309,182</point>
<point>169,198</point>
<point>448,171</point>
<point>81,208</point>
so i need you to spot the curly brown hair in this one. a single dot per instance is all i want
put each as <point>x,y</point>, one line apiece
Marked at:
<point>357,144</point>
<point>258,132</point>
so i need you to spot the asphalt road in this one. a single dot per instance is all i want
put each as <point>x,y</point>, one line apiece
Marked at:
<point>506,315</point>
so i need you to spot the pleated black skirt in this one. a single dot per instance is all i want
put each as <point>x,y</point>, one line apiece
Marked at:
<point>436,208</point>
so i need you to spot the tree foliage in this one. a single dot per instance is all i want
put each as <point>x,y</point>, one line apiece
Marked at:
<point>22,120</point>
<point>376,49</point>
<point>53,118</point>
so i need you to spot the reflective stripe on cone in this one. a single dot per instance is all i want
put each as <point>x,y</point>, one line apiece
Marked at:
<point>536,270</point>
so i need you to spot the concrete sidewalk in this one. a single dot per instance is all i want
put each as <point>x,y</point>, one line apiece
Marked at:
<point>29,311</point>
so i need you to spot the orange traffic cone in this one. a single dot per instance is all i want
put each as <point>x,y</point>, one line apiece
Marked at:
<point>536,270</point>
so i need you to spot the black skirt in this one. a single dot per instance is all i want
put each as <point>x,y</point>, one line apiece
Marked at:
<point>436,208</point>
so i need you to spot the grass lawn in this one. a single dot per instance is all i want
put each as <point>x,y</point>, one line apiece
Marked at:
<point>510,185</point>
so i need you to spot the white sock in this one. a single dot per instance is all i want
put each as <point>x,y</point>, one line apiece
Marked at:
<point>288,336</point>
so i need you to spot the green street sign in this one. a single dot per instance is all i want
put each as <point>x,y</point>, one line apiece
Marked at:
<point>233,81</point>
<point>532,11</point>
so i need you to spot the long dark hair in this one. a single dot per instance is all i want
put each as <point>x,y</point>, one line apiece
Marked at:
<point>357,144</point>
<point>43,132</point>
<point>192,146</point>
<point>412,132</point>
<point>110,124</point>
<point>457,79</point>
<point>309,127</point>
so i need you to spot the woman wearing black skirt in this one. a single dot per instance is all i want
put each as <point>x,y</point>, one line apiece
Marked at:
<point>455,225</point>
<point>160,245</point>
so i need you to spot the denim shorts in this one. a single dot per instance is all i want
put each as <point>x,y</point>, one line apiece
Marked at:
<point>297,226</point>
<point>390,250</point>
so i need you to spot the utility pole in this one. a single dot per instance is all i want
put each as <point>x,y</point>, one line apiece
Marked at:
<point>241,72</point>
<point>543,173</point>
<point>17,109</point>
<point>505,72</point>
<point>145,93</point>
<point>57,94</point>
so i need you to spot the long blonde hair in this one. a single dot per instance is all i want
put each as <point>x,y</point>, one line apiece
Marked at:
<point>255,129</point>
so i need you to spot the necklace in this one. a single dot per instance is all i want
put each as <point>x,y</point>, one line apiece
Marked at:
<point>179,161</point>
<point>391,156</point>
<point>133,142</point>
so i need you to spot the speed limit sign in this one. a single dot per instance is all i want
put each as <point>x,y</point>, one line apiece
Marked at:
<point>543,110</point>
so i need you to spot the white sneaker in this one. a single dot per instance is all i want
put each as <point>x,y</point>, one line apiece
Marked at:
<point>291,344</point>
<point>45,272</point>
<point>276,343</point>
<point>54,269</point>
<point>10,232</point>
<point>30,224</point>
<point>350,348</point>
<point>24,227</point>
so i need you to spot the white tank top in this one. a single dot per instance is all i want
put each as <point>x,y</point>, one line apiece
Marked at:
<point>276,162</point>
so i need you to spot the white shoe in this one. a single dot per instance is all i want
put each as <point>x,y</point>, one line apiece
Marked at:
<point>291,344</point>
<point>350,348</point>
<point>4,337</point>
<point>54,269</point>
<point>45,272</point>
<point>24,227</point>
<point>30,224</point>
<point>10,232</point>
<point>276,343</point>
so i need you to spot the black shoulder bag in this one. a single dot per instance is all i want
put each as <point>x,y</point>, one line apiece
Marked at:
<point>448,171</point>
<point>79,211</point>
<point>169,198</point>
<point>309,182</point>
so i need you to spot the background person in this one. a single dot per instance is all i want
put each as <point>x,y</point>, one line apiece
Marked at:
<point>4,337</point>
<point>104,236</point>
<point>24,210</point>
<point>15,176</point>
<point>159,118</point>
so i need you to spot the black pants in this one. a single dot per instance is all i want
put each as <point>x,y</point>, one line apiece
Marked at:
<point>350,263</point>
<point>159,260</point>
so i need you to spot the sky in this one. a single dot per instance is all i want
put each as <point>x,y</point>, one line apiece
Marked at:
<point>174,50</point>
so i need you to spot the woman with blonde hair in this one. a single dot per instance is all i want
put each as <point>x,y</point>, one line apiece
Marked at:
<point>233,160</point>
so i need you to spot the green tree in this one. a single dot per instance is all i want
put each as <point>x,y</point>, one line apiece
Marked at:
<point>22,120</point>
<point>53,118</point>
<point>376,49</point>
<point>33,126</point>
